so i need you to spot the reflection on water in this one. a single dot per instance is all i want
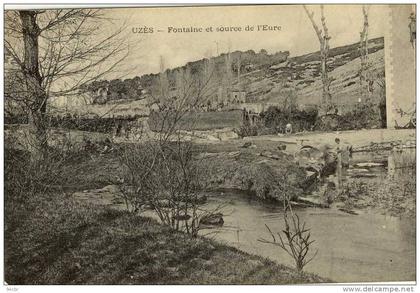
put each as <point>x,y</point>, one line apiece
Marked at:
<point>351,248</point>
<point>384,164</point>
<point>366,247</point>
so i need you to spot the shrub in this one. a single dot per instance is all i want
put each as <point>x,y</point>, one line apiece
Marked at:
<point>270,182</point>
<point>363,116</point>
<point>166,176</point>
<point>295,238</point>
<point>277,119</point>
<point>247,129</point>
<point>91,124</point>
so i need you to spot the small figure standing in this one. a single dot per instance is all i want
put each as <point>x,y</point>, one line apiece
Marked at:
<point>412,27</point>
<point>288,129</point>
<point>339,163</point>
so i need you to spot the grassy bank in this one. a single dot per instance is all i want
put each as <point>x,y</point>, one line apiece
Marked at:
<point>55,240</point>
<point>52,239</point>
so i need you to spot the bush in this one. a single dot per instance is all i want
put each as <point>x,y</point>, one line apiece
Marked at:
<point>247,129</point>
<point>395,196</point>
<point>276,118</point>
<point>263,178</point>
<point>24,178</point>
<point>166,176</point>
<point>269,182</point>
<point>363,116</point>
<point>95,124</point>
<point>15,119</point>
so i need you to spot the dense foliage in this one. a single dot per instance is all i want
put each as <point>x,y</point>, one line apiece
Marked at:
<point>277,118</point>
<point>92,124</point>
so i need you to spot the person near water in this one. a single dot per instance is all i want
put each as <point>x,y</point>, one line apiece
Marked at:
<point>339,163</point>
<point>288,129</point>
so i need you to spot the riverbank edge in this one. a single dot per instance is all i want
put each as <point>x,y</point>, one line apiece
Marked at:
<point>63,241</point>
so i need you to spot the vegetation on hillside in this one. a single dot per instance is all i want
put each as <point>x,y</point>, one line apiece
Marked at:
<point>135,88</point>
<point>262,74</point>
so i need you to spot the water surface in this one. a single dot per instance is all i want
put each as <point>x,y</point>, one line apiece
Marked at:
<point>351,248</point>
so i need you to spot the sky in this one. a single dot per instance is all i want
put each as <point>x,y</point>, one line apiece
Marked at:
<point>148,51</point>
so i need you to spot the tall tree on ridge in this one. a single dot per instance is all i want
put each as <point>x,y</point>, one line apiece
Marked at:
<point>323,37</point>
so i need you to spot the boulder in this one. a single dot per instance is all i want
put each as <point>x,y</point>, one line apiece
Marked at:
<point>281,147</point>
<point>233,154</point>
<point>212,220</point>
<point>322,158</point>
<point>348,211</point>
<point>270,155</point>
<point>228,135</point>
<point>314,202</point>
<point>212,137</point>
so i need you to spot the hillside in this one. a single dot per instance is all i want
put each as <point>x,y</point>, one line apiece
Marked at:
<point>300,76</point>
<point>264,78</point>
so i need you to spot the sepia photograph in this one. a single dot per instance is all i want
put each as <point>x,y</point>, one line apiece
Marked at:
<point>209,144</point>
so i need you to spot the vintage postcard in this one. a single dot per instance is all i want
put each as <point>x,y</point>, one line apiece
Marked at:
<point>210,144</point>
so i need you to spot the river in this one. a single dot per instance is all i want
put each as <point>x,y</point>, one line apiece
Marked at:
<point>365,247</point>
<point>351,248</point>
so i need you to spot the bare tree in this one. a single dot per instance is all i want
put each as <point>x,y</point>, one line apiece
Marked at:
<point>163,171</point>
<point>295,238</point>
<point>169,179</point>
<point>324,39</point>
<point>55,53</point>
<point>366,81</point>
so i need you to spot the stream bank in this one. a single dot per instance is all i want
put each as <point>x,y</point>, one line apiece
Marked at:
<point>375,241</point>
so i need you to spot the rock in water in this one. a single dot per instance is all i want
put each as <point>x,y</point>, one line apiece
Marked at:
<point>246,145</point>
<point>351,212</point>
<point>281,147</point>
<point>270,155</point>
<point>212,220</point>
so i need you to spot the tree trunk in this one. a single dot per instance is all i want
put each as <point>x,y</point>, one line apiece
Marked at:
<point>325,50</point>
<point>326,95</point>
<point>365,79</point>
<point>37,134</point>
<point>323,37</point>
